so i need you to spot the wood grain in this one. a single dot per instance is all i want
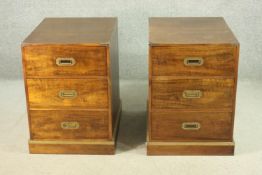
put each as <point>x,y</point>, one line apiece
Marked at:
<point>169,61</point>
<point>40,61</point>
<point>47,124</point>
<point>91,93</point>
<point>190,148</point>
<point>89,31</point>
<point>69,147</point>
<point>167,126</point>
<point>92,43</point>
<point>76,146</point>
<point>171,41</point>
<point>189,30</point>
<point>168,94</point>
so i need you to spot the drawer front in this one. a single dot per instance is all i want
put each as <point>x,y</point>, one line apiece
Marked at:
<point>49,61</point>
<point>67,93</point>
<point>68,124</point>
<point>192,94</point>
<point>193,60</point>
<point>175,126</point>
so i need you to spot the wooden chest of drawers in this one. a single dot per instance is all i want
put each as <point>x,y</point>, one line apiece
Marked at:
<point>193,65</point>
<point>72,85</point>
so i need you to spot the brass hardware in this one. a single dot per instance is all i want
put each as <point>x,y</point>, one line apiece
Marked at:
<point>191,126</point>
<point>192,94</point>
<point>69,125</point>
<point>65,61</point>
<point>67,94</point>
<point>193,61</point>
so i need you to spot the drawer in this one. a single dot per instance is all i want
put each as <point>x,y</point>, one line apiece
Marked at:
<point>68,124</point>
<point>193,60</point>
<point>182,126</point>
<point>192,94</point>
<point>67,93</point>
<point>66,60</point>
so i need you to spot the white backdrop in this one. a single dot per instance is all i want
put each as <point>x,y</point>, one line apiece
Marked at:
<point>19,17</point>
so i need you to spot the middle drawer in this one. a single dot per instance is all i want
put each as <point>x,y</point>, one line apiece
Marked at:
<point>67,93</point>
<point>192,93</point>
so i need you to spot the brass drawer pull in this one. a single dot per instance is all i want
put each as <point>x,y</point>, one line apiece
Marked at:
<point>67,94</point>
<point>69,125</point>
<point>193,61</point>
<point>191,126</point>
<point>192,94</point>
<point>65,61</point>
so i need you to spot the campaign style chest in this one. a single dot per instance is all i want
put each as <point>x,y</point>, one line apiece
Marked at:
<point>193,65</point>
<point>72,85</point>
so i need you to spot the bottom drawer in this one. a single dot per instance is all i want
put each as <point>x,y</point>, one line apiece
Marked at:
<point>68,124</point>
<point>190,126</point>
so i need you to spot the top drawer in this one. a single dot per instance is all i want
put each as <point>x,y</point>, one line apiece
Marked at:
<point>189,60</point>
<point>66,60</point>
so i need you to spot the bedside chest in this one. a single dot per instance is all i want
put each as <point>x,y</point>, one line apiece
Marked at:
<point>72,85</point>
<point>193,65</point>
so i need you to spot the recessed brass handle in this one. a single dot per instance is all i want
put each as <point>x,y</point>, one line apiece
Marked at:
<point>191,126</point>
<point>67,94</point>
<point>69,125</point>
<point>192,94</point>
<point>65,61</point>
<point>193,61</point>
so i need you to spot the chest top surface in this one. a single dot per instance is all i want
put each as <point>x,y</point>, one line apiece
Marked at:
<point>189,30</point>
<point>73,31</point>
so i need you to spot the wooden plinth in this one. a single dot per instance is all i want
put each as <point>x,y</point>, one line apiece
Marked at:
<point>190,148</point>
